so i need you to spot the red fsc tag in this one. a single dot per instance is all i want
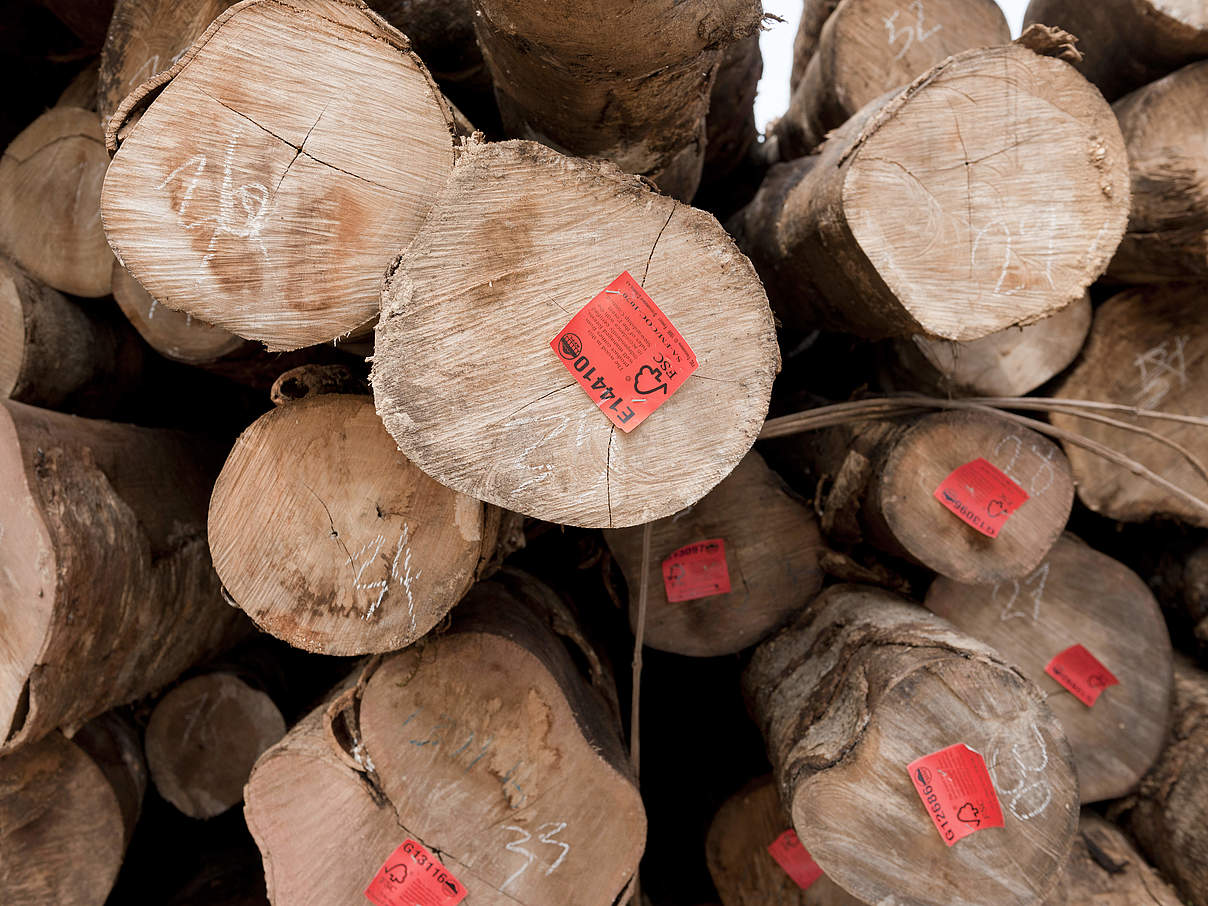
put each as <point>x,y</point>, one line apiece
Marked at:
<point>412,876</point>
<point>624,353</point>
<point>957,792</point>
<point>1081,673</point>
<point>795,859</point>
<point>696,571</point>
<point>981,495</point>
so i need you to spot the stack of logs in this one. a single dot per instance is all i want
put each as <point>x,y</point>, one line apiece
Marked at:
<point>316,565</point>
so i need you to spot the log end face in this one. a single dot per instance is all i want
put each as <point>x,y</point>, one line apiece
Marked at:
<point>12,331</point>
<point>995,219</point>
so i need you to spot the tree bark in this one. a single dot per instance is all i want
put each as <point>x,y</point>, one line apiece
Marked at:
<point>878,480</point>
<point>60,355</point>
<point>1167,236</point>
<point>50,191</point>
<point>814,14</point>
<point>862,684</point>
<point>483,743</point>
<point>264,199</point>
<point>612,79</point>
<point>505,255</point>
<point>991,192</point>
<point>743,870</point>
<point>203,738</point>
<point>1168,814</point>
<point>772,547</point>
<point>1127,43</point>
<point>329,538</point>
<point>869,47</point>
<point>63,824</point>
<point>1010,362</point>
<point>730,126</point>
<point>1079,596</point>
<point>1146,349</point>
<point>108,591</point>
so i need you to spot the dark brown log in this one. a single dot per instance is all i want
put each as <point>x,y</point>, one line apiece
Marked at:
<point>483,743</point>
<point>50,193</point>
<point>265,187</point>
<point>1146,349</point>
<point>331,539</point>
<point>1104,869</point>
<point>1079,596</point>
<point>730,128</point>
<point>858,687</point>
<point>1126,43</point>
<point>60,355</point>
<point>743,870</point>
<point>635,92</point>
<point>877,482</point>
<point>1163,126</point>
<point>503,255</point>
<point>991,192</point>
<point>107,588</point>
<point>203,738</point>
<point>814,14</point>
<point>63,827</point>
<point>1168,815</point>
<point>772,547</point>
<point>312,380</point>
<point>869,47</point>
<point>1010,362</point>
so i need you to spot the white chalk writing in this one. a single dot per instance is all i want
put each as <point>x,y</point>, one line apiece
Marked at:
<point>911,33</point>
<point>1036,582</point>
<point>1160,367</point>
<point>1028,797</point>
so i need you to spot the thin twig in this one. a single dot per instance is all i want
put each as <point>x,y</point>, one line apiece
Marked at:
<point>635,746</point>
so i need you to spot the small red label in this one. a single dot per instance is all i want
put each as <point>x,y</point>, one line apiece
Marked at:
<point>696,571</point>
<point>981,495</point>
<point>795,859</point>
<point>1080,672</point>
<point>412,876</point>
<point>624,353</point>
<point>957,791</point>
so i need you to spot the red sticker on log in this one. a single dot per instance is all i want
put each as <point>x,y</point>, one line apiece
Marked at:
<point>981,495</point>
<point>412,876</point>
<point>1081,673</point>
<point>696,571</point>
<point>795,859</point>
<point>957,791</point>
<point>624,353</point>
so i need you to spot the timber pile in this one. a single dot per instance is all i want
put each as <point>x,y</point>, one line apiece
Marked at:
<point>377,375</point>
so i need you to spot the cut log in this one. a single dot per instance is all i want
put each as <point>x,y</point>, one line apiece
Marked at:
<point>1168,815</point>
<point>1127,43</point>
<point>107,592</point>
<point>1146,349</point>
<point>1167,236</point>
<point>484,744</point>
<point>869,47</point>
<point>146,38</point>
<point>991,192</point>
<point>1010,362</point>
<point>880,479</point>
<point>203,738</point>
<point>63,831</point>
<point>743,870</point>
<point>173,334</point>
<point>112,742</point>
<point>519,242</point>
<point>1104,869</point>
<point>265,189</point>
<point>1079,596</point>
<point>860,686</point>
<point>313,380</point>
<point>771,549</point>
<point>50,191</point>
<point>329,538</point>
<point>731,129</point>
<point>814,14</point>
<point>635,92</point>
<point>1194,592</point>
<point>59,355</point>
<point>81,91</point>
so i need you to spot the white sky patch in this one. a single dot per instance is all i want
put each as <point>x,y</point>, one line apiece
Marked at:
<point>777,46</point>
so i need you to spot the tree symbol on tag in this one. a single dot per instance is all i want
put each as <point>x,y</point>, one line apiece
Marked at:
<point>1097,681</point>
<point>396,874</point>
<point>969,814</point>
<point>656,374</point>
<point>675,573</point>
<point>996,508</point>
